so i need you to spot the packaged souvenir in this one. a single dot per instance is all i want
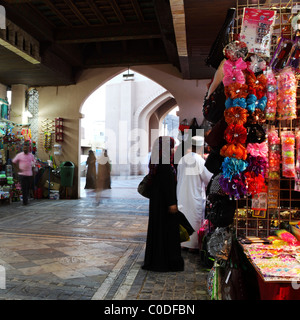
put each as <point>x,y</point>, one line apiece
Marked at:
<point>297,168</point>
<point>286,100</point>
<point>274,154</point>
<point>282,54</point>
<point>256,30</point>
<point>270,110</point>
<point>288,154</point>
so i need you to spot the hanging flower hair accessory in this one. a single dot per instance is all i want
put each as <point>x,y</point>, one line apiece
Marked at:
<point>256,117</point>
<point>236,115</point>
<point>255,183</point>
<point>235,50</point>
<point>238,102</point>
<point>232,167</point>
<point>257,164</point>
<point>237,151</point>
<point>233,71</point>
<point>256,64</point>
<point>236,187</point>
<point>258,149</point>
<point>236,90</point>
<point>256,134</point>
<point>235,134</point>
<point>256,85</point>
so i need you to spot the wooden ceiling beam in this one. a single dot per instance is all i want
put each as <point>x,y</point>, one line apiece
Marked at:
<point>96,11</point>
<point>75,10</point>
<point>137,10</point>
<point>58,13</point>
<point>117,11</point>
<point>109,33</point>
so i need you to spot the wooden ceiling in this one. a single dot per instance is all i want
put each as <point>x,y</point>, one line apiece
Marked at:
<point>81,34</point>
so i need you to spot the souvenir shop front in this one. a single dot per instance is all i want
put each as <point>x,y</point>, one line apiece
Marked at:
<point>253,200</point>
<point>48,180</point>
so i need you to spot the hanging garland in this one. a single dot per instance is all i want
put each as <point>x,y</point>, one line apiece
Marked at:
<point>245,154</point>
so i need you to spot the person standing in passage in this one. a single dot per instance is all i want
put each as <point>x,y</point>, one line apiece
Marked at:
<point>163,252</point>
<point>103,175</point>
<point>91,171</point>
<point>193,178</point>
<point>24,162</point>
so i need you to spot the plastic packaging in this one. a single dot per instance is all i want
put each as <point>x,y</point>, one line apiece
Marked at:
<point>288,154</point>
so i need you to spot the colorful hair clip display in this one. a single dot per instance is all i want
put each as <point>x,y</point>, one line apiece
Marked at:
<point>286,100</point>
<point>232,167</point>
<point>238,102</point>
<point>297,167</point>
<point>236,187</point>
<point>256,64</point>
<point>274,154</point>
<point>257,164</point>
<point>233,71</point>
<point>270,110</point>
<point>258,149</point>
<point>255,183</point>
<point>235,134</point>
<point>257,117</point>
<point>236,115</point>
<point>256,134</point>
<point>256,85</point>
<point>236,90</point>
<point>288,154</point>
<point>253,103</point>
<point>235,50</point>
<point>237,151</point>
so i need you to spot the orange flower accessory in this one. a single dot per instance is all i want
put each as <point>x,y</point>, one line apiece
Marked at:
<point>237,151</point>
<point>235,134</point>
<point>236,115</point>
<point>256,85</point>
<point>236,90</point>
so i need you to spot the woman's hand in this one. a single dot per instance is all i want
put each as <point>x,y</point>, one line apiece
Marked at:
<point>173,208</point>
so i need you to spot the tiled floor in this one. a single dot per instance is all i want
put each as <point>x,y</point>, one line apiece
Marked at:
<point>80,250</point>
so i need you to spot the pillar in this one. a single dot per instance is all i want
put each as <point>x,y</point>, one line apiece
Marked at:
<point>17,114</point>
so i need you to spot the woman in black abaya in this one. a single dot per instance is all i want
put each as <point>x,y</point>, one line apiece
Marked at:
<point>163,251</point>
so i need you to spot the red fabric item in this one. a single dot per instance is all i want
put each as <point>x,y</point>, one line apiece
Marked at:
<point>278,291</point>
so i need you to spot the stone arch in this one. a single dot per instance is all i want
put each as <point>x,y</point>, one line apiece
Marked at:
<point>161,100</point>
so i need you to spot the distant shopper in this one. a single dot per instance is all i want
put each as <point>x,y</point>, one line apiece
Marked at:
<point>193,178</point>
<point>24,162</point>
<point>103,175</point>
<point>91,171</point>
<point>163,251</point>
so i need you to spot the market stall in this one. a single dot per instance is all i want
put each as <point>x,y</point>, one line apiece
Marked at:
<point>257,137</point>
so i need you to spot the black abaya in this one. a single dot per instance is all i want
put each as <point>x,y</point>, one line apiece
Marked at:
<point>163,251</point>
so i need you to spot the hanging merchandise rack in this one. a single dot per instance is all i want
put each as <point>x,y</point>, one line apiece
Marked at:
<point>279,203</point>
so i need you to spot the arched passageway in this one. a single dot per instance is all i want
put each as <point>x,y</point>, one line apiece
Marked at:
<point>124,116</point>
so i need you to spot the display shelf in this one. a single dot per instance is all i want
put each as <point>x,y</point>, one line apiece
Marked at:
<point>283,202</point>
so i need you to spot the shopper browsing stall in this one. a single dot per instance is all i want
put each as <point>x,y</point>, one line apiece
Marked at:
<point>24,162</point>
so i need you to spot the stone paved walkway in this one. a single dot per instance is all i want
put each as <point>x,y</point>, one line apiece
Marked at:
<point>80,250</point>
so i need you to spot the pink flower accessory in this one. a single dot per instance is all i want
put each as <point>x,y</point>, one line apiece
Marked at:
<point>258,149</point>
<point>233,71</point>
